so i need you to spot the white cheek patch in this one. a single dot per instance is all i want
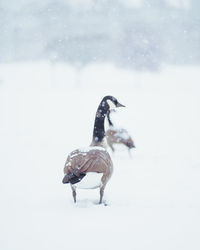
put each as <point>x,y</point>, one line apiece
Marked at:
<point>111,104</point>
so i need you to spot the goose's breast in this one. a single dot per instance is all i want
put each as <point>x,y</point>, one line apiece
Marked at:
<point>90,181</point>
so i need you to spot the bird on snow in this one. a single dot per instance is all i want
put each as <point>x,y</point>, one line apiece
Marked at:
<point>118,136</point>
<point>92,167</point>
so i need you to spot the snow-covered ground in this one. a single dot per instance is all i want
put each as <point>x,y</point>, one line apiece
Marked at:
<point>154,197</point>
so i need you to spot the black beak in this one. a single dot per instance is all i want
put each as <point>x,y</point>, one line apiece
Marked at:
<point>120,105</point>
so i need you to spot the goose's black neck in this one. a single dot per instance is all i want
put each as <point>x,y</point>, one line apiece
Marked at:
<point>99,130</point>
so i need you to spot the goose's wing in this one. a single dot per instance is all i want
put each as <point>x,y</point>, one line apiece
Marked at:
<point>80,162</point>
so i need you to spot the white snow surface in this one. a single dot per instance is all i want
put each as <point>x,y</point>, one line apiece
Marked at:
<point>153,198</point>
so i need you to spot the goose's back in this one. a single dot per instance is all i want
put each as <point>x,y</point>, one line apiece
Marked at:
<point>91,159</point>
<point>119,136</point>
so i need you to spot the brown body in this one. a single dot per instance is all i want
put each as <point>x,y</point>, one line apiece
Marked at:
<point>118,136</point>
<point>93,159</point>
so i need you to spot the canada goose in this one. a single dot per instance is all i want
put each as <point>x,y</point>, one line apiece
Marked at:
<point>118,136</point>
<point>92,164</point>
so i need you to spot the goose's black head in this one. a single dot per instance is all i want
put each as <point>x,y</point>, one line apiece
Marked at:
<point>110,102</point>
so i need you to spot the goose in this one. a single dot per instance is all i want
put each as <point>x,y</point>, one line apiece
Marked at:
<point>92,167</point>
<point>118,136</point>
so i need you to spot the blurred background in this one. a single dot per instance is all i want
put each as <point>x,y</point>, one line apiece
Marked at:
<point>136,34</point>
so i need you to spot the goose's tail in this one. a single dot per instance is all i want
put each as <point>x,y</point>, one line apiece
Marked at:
<point>73,178</point>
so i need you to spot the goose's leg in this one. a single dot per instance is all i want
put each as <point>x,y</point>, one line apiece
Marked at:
<point>111,146</point>
<point>74,193</point>
<point>129,152</point>
<point>101,194</point>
